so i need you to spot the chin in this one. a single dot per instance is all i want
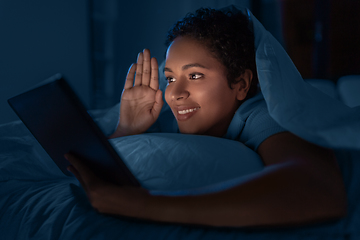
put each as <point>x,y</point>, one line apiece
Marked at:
<point>190,131</point>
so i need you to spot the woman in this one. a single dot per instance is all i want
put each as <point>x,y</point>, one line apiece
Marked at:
<point>212,83</point>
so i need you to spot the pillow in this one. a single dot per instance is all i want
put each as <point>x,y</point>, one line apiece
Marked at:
<point>173,161</point>
<point>297,106</point>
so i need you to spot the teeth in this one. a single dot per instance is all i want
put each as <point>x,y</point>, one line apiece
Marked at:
<point>187,110</point>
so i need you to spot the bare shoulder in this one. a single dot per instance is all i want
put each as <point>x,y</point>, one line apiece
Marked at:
<point>286,146</point>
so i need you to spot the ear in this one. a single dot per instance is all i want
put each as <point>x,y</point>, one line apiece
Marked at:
<point>243,86</point>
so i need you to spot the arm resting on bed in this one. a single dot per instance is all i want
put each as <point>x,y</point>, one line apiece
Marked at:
<point>300,184</point>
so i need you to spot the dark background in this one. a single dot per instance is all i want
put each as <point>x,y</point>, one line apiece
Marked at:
<point>94,42</point>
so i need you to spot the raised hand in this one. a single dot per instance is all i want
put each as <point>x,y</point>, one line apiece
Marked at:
<point>141,100</point>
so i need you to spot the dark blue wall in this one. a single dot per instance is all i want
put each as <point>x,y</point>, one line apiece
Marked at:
<point>40,38</point>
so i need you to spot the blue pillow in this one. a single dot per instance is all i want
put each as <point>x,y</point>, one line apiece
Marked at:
<point>173,161</point>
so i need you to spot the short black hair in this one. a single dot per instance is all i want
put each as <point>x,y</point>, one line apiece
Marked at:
<point>227,35</point>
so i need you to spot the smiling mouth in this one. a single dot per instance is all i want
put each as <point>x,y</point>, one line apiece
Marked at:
<point>185,114</point>
<point>188,111</point>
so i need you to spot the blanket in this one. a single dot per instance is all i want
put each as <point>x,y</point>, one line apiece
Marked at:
<point>37,201</point>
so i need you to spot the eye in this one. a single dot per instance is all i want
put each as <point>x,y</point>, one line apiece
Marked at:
<point>196,76</point>
<point>170,79</point>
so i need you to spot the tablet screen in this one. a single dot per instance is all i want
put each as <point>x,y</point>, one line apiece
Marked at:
<point>59,121</point>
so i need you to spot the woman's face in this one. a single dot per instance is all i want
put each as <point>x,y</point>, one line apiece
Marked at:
<point>198,92</point>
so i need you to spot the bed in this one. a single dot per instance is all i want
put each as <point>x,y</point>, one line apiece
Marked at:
<point>37,201</point>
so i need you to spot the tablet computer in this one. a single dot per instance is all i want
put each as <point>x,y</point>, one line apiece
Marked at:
<point>60,122</point>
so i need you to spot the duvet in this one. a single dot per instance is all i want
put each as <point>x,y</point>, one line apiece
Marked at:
<point>37,201</point>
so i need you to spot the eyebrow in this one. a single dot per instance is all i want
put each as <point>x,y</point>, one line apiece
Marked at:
<point>187,66</point>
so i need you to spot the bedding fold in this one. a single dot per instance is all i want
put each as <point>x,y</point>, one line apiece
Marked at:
<point>296,105</point>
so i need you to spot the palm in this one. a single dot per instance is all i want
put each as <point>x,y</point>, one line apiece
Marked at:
<point>136,107</point>
<point>141,100</point>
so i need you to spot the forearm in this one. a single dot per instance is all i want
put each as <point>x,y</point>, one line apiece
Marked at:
<point>289,191</point>
<point>279,195</point>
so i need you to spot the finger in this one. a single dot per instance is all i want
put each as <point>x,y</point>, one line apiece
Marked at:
<point>154,80</point>
<point>72,169</point>
<point>129,82</point>
<point>139,69</point>
<point>85,173</point>
<point>159,102</point>
<point>146,68</point>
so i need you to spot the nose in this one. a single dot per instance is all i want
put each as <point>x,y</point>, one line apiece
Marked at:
<point>179,91</point>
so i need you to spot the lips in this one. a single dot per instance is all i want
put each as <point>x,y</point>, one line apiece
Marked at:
<point>183,113</point>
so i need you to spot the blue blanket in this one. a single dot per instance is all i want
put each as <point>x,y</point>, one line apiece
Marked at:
<point>38,202</point>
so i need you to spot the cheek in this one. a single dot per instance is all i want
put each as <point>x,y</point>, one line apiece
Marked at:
<point>209,95</point>
<point>219,98</point>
